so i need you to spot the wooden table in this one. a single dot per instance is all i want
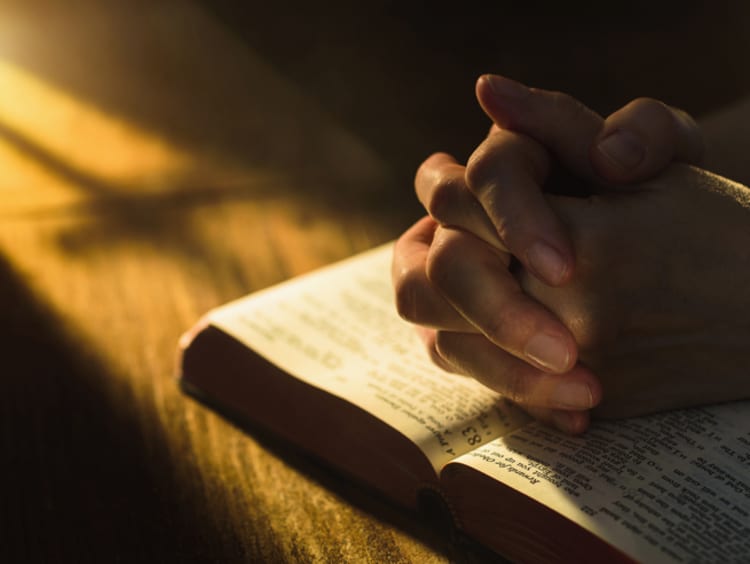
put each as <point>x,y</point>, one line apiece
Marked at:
<point>145,180</point>
<point>152,166</point>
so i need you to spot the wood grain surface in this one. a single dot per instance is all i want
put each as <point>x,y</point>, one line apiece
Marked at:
<point>153,165</point>
<point>124,217</point>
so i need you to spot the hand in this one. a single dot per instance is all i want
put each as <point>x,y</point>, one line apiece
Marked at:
<point>499,196</point>
<point>459,346</point>
<point>544,395</point>
<point>660,302</point>
<point>632,144</point>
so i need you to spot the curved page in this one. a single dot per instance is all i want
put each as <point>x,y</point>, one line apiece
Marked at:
<point>337,329</point>
<point>672,487</point>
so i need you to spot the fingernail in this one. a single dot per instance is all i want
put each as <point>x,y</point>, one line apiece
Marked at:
<point>573,395</point>
<point>549,352</point>
<point>507,88</point>
<point>623,148</point>
<point>547,263</point>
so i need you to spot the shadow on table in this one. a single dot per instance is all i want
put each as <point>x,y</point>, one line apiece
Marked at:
<point>89,479</point>
<point>433,524</point>
<point>86,478</point>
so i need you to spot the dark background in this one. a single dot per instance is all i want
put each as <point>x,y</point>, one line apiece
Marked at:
<point>401,74</point>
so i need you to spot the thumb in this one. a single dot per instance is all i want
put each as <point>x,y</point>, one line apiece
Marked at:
<point>634,143</point>
<point>558,121</point>
<point>643,137</point>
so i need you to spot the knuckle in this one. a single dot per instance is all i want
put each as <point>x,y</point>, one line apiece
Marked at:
<point>427,165</point>
<point>480,167</point>
<point>507,155</point>
<point>441,260</point>
<point>443,195</point>
<point>408,287</point>
<point>411,297</point>
<point>423,170</point>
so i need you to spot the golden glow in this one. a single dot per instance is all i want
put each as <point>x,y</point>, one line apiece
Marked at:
<point>81,136</point>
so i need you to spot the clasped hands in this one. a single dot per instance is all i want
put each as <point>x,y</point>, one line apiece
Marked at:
<point>577,264</point>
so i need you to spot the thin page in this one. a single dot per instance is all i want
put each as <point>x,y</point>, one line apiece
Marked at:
<point>337,329</point>
<point>669,487</point>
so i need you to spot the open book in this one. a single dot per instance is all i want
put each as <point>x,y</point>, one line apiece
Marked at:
<point>325,362</point>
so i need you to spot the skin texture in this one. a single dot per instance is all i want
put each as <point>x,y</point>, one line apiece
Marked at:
<point>632,144</point>
<point>481,306</point>
<point>504,177</point>
<point>659,305</point>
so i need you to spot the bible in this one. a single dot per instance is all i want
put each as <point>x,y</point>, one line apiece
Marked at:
<point>324,362</point>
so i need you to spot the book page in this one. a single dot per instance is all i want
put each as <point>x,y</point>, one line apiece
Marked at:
<point>338,329</point>
<point>669,487</point>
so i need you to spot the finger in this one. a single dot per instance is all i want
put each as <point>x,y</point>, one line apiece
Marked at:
<point>441,188</point>
<point>558,121</point>
<point>643,137</point>
<point>571,422</point>
<point>516,380</point>
<point>428,337</point>
<point>652,134</point>
<point>505,174</point>
<point>475,279</point>
<point>417,300</point>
